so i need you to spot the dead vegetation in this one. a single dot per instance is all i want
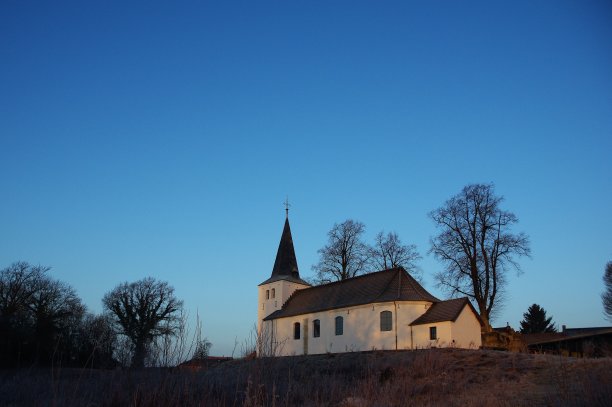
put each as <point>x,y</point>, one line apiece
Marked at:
<point>428,377</point>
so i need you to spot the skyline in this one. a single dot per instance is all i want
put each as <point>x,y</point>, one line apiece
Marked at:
<point>161,140</point>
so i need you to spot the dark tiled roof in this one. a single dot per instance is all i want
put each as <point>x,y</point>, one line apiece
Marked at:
<point>444,311</point>
<point>285,265</point>
<point>568,334</point>
<point>387,285</point>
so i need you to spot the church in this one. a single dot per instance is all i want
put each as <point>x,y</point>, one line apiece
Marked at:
<point>384,310</point>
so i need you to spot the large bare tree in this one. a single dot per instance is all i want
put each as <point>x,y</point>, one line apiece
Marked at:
<point>345,254</point>
<point>18,283</point>
<point>388,252</point>
<point>38,316</point>
<point>143,311</point>
<point>606,297</point>
<point>477,246</point>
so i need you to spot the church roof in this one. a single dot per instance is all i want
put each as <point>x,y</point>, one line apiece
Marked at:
<point>388,285</point>
<point>444,311</point>
<point>285,265</point>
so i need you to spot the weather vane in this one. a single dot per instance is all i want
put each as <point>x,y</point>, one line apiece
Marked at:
<point>287,206</point>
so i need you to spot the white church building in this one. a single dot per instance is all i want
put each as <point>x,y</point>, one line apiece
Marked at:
<point>384,310</point>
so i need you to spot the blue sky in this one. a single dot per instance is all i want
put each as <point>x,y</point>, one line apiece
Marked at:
<point>158,139</point>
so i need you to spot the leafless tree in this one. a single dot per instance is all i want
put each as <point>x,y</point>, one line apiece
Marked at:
<point>477,246</point>
<point>345,254</point>
<point>265,343</point>
<point>143,311</point>
<point>202,349</point>
<point>389,252</point>
<point>39,316</point>
<point>97,342</point>
<point>56,313</point>
<point>606,297</point>
<point>18,283</point>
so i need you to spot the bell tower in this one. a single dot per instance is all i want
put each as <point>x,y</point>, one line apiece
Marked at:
<point>285,278</point>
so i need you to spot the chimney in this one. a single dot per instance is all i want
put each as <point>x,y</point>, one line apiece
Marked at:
<point>562,328</point>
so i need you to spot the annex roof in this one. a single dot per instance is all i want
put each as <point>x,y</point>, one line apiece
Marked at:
<point>448,310</point>
<point>388,285</point>
<point>285,265</point>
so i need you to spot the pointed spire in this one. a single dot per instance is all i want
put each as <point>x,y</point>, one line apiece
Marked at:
<point>285,265</point>
<point>286,262</point>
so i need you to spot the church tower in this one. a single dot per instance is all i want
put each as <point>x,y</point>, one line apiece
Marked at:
<point>283,282</point>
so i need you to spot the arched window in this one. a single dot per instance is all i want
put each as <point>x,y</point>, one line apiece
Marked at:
<point>273,292</point>
<point>386,321</point>
<point>339,325</point>
<point>267,294</point>
<point>316,328</point>
<point>296,330</point>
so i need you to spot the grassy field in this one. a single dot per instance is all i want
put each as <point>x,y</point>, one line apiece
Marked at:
<point>432,377</point>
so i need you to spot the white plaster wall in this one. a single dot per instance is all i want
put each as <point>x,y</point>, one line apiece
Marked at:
<point>361,329</point>
<point>283,290</point>
<point>466,330</point>
<point>421,335</point>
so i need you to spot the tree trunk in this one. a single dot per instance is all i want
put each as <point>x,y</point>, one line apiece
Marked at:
<point>139,355</point>
<point>484,318</point>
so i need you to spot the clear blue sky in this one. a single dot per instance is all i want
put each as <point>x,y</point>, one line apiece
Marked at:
<point>160,139</point>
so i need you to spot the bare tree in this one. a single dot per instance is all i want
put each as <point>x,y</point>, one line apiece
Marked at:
<point>606,297</point>
<point>345,254</point>
<point>477,247</point>
<point>56,313</point>
<point>202,349</point>
<point>97,341</point>
<point>143,311</point>
<point>39,316</point>
<point>18,283</point>
<point>389,252</point>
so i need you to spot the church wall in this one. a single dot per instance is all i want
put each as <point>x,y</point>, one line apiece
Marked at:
<point>466,330</point>
<point>282,291</point>
<point>361,329</point>
<point>421,334</point>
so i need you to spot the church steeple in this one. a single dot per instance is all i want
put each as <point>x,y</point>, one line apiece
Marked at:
<point>285,265</point>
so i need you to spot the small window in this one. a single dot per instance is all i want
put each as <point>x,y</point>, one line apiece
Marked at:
<point>316,328</point>
<point>433,333</point>
<point>386,321</point>
<point>273,292</point>
<point>267,294</point>
<point>296,330</point>
<point>339,325</point>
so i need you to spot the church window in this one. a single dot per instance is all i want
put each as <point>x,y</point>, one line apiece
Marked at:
<point>316,328</point>
<point>296,330</point>
<point>267,294</point>
<point>339,325</point>
<point>433,333</point>
<point>386,321</point>
<point>273,292</point>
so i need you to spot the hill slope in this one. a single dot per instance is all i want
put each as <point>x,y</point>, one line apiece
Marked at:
<point>449,377</point>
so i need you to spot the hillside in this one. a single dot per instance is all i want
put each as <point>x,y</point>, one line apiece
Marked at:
<point>421,378</point>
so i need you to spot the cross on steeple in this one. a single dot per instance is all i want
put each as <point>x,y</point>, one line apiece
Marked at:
<point>287,205</point>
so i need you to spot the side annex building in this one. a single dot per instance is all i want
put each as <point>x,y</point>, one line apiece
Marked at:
<point>384,310</point>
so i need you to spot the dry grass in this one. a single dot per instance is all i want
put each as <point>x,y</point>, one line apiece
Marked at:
<point>430,377</point>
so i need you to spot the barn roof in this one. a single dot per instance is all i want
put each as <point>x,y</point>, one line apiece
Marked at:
<point>285,265</point>
<point>448,310</point>
<point>388,285</point>
<point>567,334</point>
